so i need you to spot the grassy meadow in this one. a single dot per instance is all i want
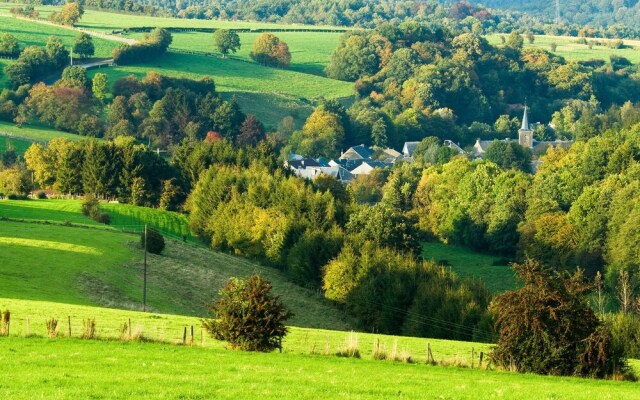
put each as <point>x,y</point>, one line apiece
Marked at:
<point>492,270</point>
<point>310,51</point>
<point>29,34</point>
<point>181,281</point>
<point>569,49</point>
<point>75,368</point>
<point>34,133</point>
<point>107,21</point>
<point>20,145</point>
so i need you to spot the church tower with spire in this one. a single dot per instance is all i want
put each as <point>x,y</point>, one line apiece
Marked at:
<point>525,134</point>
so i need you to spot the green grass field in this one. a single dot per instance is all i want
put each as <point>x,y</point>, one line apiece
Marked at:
<point>310,51</point>
<point>20,145</point>
<point>73,368</point>
<point>123,216</point>
<point>233,75</point>
<point>33,132</point>
<point>569,49</point>
<point>29,34</point>
<point>45,210</point>
<point>472,265</point>
<point>109,21</point>
<point>181,281</point>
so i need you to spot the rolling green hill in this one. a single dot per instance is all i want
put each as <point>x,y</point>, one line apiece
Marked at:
<point>97,265</point>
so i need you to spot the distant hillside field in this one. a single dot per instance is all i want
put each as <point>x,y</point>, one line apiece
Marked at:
<point>492,270</point>
<point>31,34</point>
<point>569,49</point>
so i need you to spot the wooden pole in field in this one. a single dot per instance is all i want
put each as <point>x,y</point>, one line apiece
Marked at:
<point>69,326</point>
<point>184,336</point>
<point>481,356</point>
<point>144,289</point>
<point>191,344</point>
<point>28,327</point>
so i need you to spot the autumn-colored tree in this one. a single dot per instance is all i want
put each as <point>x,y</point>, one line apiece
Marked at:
<point>548,327</point>
<point>251,132</point>
<point>269,50</point>
<point>69,15</point>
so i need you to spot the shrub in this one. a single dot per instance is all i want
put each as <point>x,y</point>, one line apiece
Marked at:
<point>247,316</point>
<point>5,322</point>
<point>41,195</point>
<point>103,218</point>
<point>90,206</point>
<point>351,347</point>
<point>88,328</point>
<point>155,241</point>
<point>52,327</point>
<point>547,327</point>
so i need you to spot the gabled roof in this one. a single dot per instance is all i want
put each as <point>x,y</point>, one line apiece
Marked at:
<point>409,148</point>
<point>367,166</point>
<point>355,152</point>
<point>392,153</point>
<point>302,164</point>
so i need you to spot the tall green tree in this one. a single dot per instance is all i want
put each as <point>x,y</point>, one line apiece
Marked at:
<point>83,45</point>
<point>226,41</point>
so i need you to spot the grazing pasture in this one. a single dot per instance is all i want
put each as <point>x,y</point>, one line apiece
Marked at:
<point>97,265</point>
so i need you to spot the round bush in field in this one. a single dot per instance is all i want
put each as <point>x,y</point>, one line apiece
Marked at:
<point>155,241</point>
<point>247,316</point>
<point>269,50</point>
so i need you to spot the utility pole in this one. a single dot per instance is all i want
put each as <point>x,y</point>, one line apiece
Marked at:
<point>144,292</point>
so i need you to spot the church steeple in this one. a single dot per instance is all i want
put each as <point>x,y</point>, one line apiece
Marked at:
<point>525,120</point>
<point>525,134</point>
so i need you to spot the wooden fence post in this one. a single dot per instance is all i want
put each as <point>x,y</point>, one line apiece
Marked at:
<point>473,356</point>
<point>28,327</point>
<point>69,326</point>
<point>481,357</point>
<point>184,336</point>
<point>191,343</point>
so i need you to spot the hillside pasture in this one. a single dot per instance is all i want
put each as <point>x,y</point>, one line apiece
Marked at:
<point>59,211</point>
<point>33,133</point>
<point>97,265</point>
<point>234,75</point>
<point>33,34</point>
<point>569,49</point>
<point>310,51</point>
<point>20,145</point>
<point>492,270</point>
